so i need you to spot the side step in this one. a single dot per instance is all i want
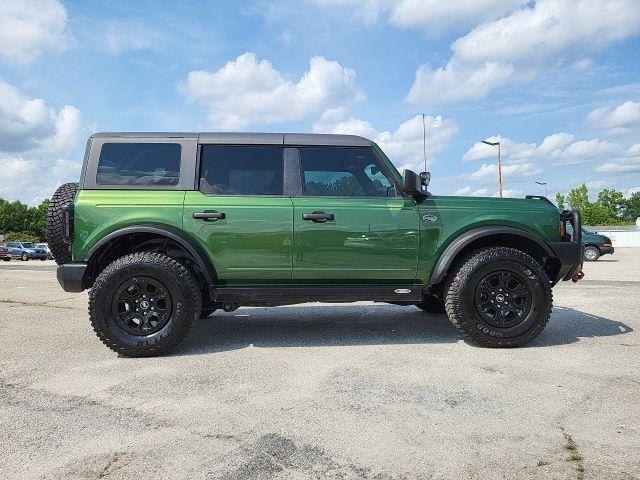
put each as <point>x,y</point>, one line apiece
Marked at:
<point>318,293</point>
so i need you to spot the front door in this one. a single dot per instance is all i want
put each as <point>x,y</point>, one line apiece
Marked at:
<point>240,215</point>
<point>349,225</point>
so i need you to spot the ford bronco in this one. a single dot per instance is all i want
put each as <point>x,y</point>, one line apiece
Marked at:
<point>165,228</point>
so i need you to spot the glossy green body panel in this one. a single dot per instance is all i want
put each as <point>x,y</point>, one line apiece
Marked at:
<point>456,215</point>
<point>369,240</point>
<point>252,245</point>
<point>100,212</point>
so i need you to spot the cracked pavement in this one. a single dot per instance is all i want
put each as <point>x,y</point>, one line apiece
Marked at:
<point>321,391</point>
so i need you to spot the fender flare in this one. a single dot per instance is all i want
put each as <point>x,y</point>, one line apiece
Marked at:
<point>190,245</point>
<point>447,257</point>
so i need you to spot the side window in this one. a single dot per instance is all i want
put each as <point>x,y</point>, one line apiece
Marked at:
<point>154,164</point>
<point>343,172</point>
<point>241,170</point>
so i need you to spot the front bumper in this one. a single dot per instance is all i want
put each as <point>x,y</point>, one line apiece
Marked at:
<point>71,276</point>
<point>606,250</point>
<point>569,255</point>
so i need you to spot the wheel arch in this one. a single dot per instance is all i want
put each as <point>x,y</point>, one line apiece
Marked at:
<point>499,236</point>
<point>132,238</point>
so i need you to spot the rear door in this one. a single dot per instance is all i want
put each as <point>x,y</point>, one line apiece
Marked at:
<point>240,214</point>
<point>349,225</point>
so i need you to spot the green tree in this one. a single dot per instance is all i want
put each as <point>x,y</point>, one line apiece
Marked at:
<point>632,207</point>
<point>560,200</point>
<point>608,209</point>
<point>23,222</point>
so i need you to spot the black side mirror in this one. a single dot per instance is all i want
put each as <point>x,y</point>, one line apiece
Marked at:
<point>425,179</point>
<point>412,185</point>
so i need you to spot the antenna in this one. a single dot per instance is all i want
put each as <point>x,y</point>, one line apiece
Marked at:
<point>424,142</point>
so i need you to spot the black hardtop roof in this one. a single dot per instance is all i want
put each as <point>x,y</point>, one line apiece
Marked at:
<point>238,138</point>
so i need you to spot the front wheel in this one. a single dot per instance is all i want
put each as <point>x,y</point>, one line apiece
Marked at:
<point>591,254</point>
<point>24,257</point>
<point>144,304</point>
<point>499,297</point>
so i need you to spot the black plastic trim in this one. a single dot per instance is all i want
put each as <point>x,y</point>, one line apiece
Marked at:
<point>317,293</point>
<point>174,234</point>
<point>71,276</point>
<point>569,255</point>
<point>450,253</point>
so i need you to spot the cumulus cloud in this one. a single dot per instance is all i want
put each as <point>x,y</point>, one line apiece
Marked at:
<point>35,144</point>
<point>247,91</point>
<point>559,148</point>
<point>488,172</point>
<point>522,44</point>
<point>620,119</point>
<point>31,27</point>
<point>404,145</point>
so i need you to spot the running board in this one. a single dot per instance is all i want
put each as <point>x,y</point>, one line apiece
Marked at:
<point>319,293</point>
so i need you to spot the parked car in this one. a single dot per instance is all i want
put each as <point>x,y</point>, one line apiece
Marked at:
<point>167,228</point>
<point>5,253</point>
<point>595,245</point>
<point>26,251</point>
<point>45,246</point>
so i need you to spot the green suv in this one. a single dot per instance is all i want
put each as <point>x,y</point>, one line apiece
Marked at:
<point>595,244</point>
<point>165,228</point>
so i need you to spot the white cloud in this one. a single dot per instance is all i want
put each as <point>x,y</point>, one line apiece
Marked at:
<point>583,151</point>
<point>35,144</point>
<point>470,192</point>
<point>28,28</point>
<point>432,15</point>
<point>509,193</point>
<point>620,119</point>
<point>28,123</point>
<point>123,36</point>
<point>246,91</point>
<point>519,46</point>
<point>619,167</point>
<point>554,142</point>
<point>335,120</point>
<point>488,172</point>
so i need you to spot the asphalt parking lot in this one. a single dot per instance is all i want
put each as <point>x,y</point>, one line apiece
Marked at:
<point>323,391</point>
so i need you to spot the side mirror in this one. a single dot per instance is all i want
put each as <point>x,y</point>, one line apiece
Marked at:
<point>425,179</point>
<point>412,185</point>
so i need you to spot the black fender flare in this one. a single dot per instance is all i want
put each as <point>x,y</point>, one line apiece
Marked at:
<point>189,244</point>
<point>449,254</point>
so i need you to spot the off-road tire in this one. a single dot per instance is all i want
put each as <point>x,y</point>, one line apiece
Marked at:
<point>460,299</point>
<point>432,304</point>
<point>177,279</point>
<point>595,255</point>
<point>64,195</point>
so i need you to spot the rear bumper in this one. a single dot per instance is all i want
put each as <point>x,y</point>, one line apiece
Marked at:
<point>569,255</point>
<point>71,276</point>
<point>606,250</point>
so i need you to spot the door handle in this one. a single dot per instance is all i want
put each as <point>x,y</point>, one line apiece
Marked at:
<point>317,217</point>
<point>209,216</point>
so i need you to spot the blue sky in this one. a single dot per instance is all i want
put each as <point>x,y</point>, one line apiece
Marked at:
<point>556,81</point>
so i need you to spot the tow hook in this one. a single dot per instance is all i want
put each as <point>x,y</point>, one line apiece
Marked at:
<point>578,276</point>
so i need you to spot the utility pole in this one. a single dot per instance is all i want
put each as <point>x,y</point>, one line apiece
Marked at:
<point>497,144</point>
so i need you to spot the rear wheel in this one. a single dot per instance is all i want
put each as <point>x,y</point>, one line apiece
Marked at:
<point>591,254</point>
<point>24,257</point>
<point>144,304</point>
<point>499,297</point>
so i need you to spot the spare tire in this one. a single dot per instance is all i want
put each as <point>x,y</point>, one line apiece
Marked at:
<point>64,196</point>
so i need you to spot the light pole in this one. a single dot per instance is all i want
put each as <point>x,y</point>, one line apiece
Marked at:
<point>497,144</point>
<point>546,189</point>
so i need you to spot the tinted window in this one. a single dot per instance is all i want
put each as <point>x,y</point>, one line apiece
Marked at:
<point>27,245</point>
<point>344,172</point>
<point>139,164</point>
<point>241,170</point>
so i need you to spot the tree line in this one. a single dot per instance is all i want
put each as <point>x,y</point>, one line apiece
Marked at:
<point>18,221</point>
<point>609,208</point>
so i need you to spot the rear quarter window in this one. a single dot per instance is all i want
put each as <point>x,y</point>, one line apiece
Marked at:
<point>139,164</point>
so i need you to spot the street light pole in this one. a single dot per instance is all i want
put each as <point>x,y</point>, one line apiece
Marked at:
<point>546,189</point>
<point>497,144</point>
